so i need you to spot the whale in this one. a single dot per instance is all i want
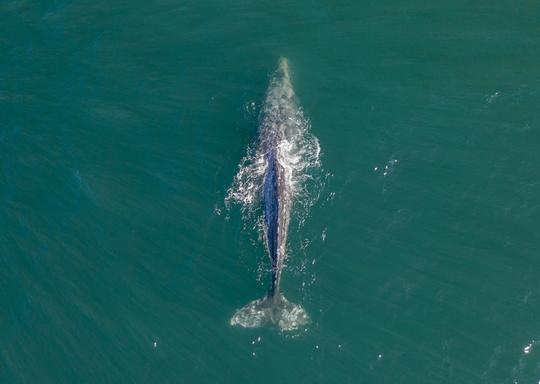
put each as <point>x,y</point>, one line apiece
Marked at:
<point>277,201</point>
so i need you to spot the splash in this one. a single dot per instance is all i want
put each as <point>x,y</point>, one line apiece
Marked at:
<point>299,154</point>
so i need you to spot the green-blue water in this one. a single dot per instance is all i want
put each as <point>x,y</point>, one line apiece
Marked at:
<point>121,127</point>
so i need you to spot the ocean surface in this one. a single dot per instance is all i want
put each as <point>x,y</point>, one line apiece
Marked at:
<point>122,127</point>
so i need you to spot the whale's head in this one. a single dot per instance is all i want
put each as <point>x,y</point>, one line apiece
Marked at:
<point>283,66</point>
<point>281,84</point>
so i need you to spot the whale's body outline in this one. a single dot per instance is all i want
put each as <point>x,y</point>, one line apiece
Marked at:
<point>278,111</point>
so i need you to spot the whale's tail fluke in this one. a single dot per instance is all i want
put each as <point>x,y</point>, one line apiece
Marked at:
<point>271,310</point>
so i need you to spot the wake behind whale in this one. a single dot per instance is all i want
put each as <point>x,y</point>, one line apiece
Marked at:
<point>274,176</point>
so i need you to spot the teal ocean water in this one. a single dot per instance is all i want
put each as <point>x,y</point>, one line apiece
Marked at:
<point>122,124</point>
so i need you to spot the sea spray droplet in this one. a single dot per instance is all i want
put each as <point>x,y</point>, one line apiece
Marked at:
<point>528,348</point>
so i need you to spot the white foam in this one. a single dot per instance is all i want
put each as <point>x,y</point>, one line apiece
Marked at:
<point>299,154</point>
